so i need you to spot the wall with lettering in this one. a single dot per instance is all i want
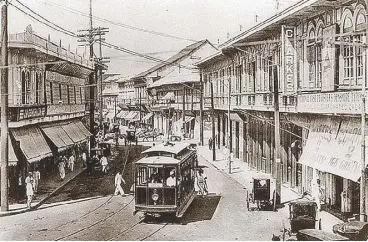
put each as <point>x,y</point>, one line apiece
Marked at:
<point>289,57</point>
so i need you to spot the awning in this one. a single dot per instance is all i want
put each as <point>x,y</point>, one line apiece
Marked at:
<point>131,115</point>
<point>188,119</point>
<point>13,160</point>
<point>110,115</point>
<point>147,116</point>
<point>169,96</point>
<point>333,146</point>
<point>32,143</point>
<point>178,76</point>
<point>122,114</point>
<point>74,132</point>
<point>83,128</point>
<point>58,137</point>
<point>235,117</point>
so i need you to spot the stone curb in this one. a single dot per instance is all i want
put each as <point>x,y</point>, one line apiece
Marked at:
<point>42,201</point>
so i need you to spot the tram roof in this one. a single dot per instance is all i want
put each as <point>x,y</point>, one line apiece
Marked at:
<point>155,160</point>
<point>174,148</point>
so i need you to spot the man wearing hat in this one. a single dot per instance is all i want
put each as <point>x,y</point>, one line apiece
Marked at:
<point>171,180</point>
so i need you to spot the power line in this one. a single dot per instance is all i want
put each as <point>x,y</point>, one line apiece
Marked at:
<point>65,30</point>
<point>118,23</point>
<point>112,46</point>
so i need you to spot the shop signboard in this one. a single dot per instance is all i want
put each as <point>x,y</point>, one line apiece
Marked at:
<point>289,59</point>
<point>334,147</point>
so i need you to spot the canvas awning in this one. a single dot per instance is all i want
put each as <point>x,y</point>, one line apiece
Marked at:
<point>58,137</point>
<point>131,115</point>
<point>122,114</point>
<point>147,116</point>
<point>333,146</point>
<point>74,132</point>
<point>235,117</point>
<point>83,128</point>
<point>32,143</point>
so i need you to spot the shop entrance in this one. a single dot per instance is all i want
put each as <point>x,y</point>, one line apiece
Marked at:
<point>339,188</point>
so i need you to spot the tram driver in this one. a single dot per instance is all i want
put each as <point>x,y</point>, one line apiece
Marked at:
<point>155,176</point>
<point>171,180</point>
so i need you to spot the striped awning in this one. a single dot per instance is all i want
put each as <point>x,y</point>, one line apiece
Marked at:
<point>32,143</point>
<point>58,137</point>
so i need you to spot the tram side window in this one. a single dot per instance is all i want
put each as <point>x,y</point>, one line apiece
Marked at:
<point>142,176</point>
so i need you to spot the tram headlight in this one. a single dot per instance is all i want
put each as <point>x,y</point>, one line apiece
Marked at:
<point>155,196</point>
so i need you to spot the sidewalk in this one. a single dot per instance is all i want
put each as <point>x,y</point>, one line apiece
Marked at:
<point>242,174</point>
<point>48,185</point>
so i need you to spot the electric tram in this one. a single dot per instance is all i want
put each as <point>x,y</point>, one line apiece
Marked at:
<point>164,179</point>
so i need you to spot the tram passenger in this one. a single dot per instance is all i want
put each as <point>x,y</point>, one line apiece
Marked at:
<point>155,177</point>
<point>171,180</point>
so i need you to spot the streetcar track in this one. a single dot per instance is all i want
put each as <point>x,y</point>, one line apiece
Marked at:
<point>151,234</point>
<point>97,222</point>
<point>125,230</point>
<point>101,205</point>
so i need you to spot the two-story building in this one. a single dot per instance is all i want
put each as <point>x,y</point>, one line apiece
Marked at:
<point>174,88</point>
<point>313,51</point>
<point>46,103</point>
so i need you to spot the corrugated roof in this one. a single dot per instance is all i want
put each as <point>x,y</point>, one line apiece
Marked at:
<point>184,52</point>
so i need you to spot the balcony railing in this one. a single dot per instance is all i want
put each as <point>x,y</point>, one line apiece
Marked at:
<point>47,46</point>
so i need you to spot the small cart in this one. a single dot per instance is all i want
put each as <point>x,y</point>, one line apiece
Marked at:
<point>260,196</point>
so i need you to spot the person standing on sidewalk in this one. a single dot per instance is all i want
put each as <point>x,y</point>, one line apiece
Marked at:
<point>71,162</point>
<point>36,177</point>
<point>118,180</point>
<point>104,163</point>
<point>210,143</point>
<point>202,183</point>
<point>29,189</point>
<point>61,168</point>
<point>84,159</point>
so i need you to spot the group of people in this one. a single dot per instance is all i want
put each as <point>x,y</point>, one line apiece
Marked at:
<point>65,161</point>
<point>32,182</point>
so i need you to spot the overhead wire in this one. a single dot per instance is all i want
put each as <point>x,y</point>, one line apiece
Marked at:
<point>109,45</point>
<point>118,23</point>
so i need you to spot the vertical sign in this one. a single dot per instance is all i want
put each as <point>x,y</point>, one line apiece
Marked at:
<point>289,59</point>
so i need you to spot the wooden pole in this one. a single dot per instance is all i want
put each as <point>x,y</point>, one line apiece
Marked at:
<point>213,124</point>
<point>4,108</point>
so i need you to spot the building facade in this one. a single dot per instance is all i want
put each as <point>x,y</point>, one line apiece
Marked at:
<point>173,87</point>
<point>313,54</point>
<point>47,104</point>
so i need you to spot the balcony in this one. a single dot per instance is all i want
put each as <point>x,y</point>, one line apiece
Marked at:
<point>252,101</point>
<point>28,39</point>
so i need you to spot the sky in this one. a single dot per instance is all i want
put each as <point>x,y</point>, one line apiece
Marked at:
<point>190,20</point>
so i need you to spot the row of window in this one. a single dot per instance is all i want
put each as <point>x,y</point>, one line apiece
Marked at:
<point>58,93</point>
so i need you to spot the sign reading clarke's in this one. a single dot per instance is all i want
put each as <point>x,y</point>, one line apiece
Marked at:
<point>289,55</point>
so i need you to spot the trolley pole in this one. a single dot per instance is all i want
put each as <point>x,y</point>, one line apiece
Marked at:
<point>91,83</point>
<point>213,124</point>
<point>363,175</point>
<point>277,197</point>
<point>4,108</point>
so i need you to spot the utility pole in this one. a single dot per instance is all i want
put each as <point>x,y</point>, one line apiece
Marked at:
<point>4,108</point>
<point>89,37</point>
<point>213,124</point>
<point>201,111</point>
<point>277,159</point>
<point>363,216</point>
<point>228,122</point>
<point>101,89</point>
<point>184,111</point>
<point>140,106</point>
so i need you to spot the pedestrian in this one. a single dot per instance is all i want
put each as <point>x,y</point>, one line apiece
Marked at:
<point>36,177</point>
<point>202,183</point>
<point>316,192</point>
<point>118,180</point>
<point>210,143</point>
<point>61,166</point>
<point>104,163</point>
<point>29,189</point>
<point>84,159</point>
<point>71,162</point>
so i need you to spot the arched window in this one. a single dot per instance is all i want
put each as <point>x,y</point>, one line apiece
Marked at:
<point>23,91</point>
<point>319,37</point>
<point>348,52</point>
<point>28,88</point>
<point>311,57</point>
